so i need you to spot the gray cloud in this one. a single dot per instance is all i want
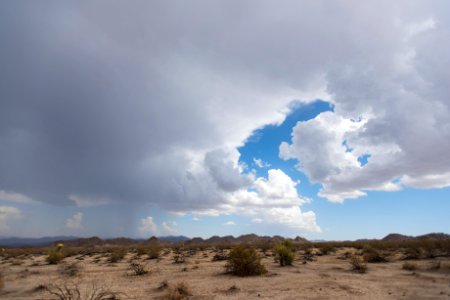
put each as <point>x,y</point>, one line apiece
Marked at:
<point>130,102</point>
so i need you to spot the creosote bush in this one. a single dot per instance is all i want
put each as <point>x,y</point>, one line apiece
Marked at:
<point>244,261</point>
<point>372,255</point>
<point>153,252</point>
<point>285,255</point>
<point>116,255</point>
<point>358,264</point>
<point>138,268</point>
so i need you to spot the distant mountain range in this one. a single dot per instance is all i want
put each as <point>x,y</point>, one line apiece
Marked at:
<point>43,241</point>
<point>73,241</point>
<point>429,236</point>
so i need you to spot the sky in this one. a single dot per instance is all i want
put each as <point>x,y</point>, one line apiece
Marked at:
<point>322,119</point>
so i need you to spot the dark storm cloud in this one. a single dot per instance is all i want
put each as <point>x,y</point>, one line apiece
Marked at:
<point>130,101</point>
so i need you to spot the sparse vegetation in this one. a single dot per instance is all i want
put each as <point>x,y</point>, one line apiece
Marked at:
<point>70,270</point>
<point>285,255</point>
<point>219,256</point>
<point>28,265</point>
<point>372,255</point>
<point>116,255</point>
<point>153,252</point>
<point>138,269</point>
<point>409,266</point>
<point>244,261</point>
<point>358,264</point>
<point>180,291</point>
<point>68,291</point>
<point>179,259</point>
<point>54,257</point>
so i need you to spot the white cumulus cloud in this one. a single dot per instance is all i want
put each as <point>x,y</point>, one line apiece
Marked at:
<point>15,197</point>
<point>75,222</point>
<point>169,227</point>
<point>8,213</point>
<point>148,226</point>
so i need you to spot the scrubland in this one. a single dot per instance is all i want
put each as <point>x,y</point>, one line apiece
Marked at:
<point>345,270</point>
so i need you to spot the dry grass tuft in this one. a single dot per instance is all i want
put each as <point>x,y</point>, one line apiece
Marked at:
<point>163,285</point>
<point>409,266</point>
<point>178,292</point>
<point>73,291</point>
<point>70,270</point>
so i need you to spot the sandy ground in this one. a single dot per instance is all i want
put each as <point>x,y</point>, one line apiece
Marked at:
<point>326,278</point>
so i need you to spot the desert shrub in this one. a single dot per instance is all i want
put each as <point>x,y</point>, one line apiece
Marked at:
<point>70,270</point>
<point>411,253</point>
<point>409,266</point>
<point>153,252</point>
<point>141,250</point>
<point>244,261</point>
<point>223,246</point>
<point>220,256</point>
<point>326,249</point>
<point>116,255</point>
<point>372,255</point>
<point>178,259</point>
<point>178,292</point>
<point>308,255</point>
<point>288,244</point>
<point>72,251</point>
<point>285,256</point>
<point>75,292</point>
<point>358,264</point>
<point>138,269</point>
<point>54,257</point>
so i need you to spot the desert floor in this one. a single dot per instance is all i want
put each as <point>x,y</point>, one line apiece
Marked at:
<point>328,277</point>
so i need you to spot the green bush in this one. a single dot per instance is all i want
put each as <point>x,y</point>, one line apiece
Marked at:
<point>244,261</point>
<point>285,256</point>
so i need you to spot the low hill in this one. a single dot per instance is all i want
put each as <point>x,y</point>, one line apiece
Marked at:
<point>392,237</point>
